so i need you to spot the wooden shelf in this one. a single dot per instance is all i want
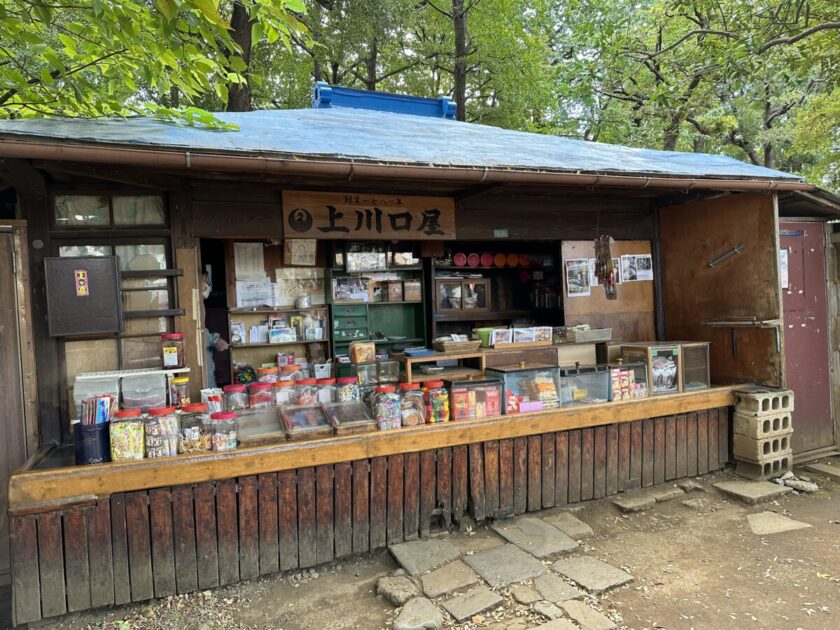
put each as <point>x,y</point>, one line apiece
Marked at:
<point>282,343</point>
<point>390,303</point>
<point>480,316</point>
<point>505,268</point>
<point>407,340</point>
<point>268,311</point>
<point>451,374</point>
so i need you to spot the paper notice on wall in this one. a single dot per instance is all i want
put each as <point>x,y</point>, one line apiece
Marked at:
<point>783,268</point>
<point>249,262</point>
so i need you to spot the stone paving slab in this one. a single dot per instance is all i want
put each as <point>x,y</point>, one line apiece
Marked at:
<point>752,492</point>
<point>559,624</point>
<point>587,617</point>
<point>634,502</point>
<point>472,602</point>
<point>419,556</point>
<point>505,565</point>
<point>397,589</point>
<point>555,589</point>
<point>569,524</point>
<point>547,610</point>
<point>595,575</point>
<point>535,536</point>
<point>525,594</point>
<point>419,614</point>
<point>827,470</point>
<point>765,523</point>
<point>689,485</point>
<point>668,494</point>
<point>450,577</point>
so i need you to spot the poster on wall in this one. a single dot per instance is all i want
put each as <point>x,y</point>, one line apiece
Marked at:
<point>297,283</point>
<point>636,267</point>
<point>783,268</point>
<point>577,277</point>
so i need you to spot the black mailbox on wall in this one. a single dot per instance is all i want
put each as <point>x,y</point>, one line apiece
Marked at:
<point>83,295</point>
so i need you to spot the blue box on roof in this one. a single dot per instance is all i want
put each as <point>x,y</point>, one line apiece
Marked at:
<point>325,95</point>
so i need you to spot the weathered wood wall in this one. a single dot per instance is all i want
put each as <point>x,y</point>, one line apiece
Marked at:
<point>136,546</point>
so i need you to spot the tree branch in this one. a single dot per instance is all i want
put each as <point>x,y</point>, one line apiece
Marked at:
<point>778,41</point>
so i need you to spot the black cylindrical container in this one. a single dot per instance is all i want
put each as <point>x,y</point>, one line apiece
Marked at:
<point>93,443</point>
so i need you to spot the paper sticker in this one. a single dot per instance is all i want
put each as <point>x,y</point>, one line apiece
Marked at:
<point>82,286</point>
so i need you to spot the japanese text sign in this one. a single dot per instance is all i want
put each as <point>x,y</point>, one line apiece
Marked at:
<point>367,216</point>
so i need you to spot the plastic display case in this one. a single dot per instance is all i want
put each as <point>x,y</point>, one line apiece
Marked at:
<point>260,426</point>
<point>663,362</point>
<point>349,417</point>
<point>366,373</point>
<point>584,384</point>
<point>377,373</point>
<point>470,400</point>
<point>695,365</point>
<point>305,421</point>
<point>89,388</point>
<point>528,387</point>
<point>628,381</point>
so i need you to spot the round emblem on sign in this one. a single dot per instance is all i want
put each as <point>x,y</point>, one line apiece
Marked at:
<point>300,220</point>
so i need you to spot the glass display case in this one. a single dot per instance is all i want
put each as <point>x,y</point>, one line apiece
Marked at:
<point>305,421</point>
<point>462,294</point>
<point>695,365</point>
<point>470,400</point>
<point>663,364</point>
<point>374,373</point>
<point>628,380</point>
<point>349,417</point>
<point>528,387</point>
<point>260,426</point>
<point>584,384</point>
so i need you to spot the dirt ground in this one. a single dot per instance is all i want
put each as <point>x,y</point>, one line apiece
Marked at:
<point>694,567</point>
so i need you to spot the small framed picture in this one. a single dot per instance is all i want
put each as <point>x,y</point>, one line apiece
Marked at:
<point>500,336</point>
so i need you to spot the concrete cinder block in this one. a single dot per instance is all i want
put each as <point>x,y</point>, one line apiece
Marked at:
<point>768,469</point>
<point>759,401</point>
<point>760,427</point>
<point>759,451</point>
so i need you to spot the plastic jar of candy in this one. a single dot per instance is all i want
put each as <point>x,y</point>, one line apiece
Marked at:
<point>386,408</point>
<point>268,374</point>
<point>437,402</point>
<point>195,430</point>
<point>236,397</point>
<point>179,391</point>
<point>326,390</point>
<point>412,405</point>
<point>307,391</point>
<point>289,372</point>
<point>172,350</point>
<point>284,393</point>
<point>347,389</point>
<point>127,435</point>
<point>260,396</point>
<point>161,432</point>
<point>224,430</point>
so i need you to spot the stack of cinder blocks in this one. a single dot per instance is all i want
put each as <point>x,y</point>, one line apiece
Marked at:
<point>762,430</point>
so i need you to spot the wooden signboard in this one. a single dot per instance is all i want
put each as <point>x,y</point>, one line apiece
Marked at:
<point>367,216</point>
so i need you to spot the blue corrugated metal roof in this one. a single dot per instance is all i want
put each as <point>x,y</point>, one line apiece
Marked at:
<point>384,137</point>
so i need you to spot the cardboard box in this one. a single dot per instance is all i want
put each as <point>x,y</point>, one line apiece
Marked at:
<point>412,291</point>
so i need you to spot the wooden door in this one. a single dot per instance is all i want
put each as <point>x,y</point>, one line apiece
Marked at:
<point>806,333</point>
<point>13,425</point>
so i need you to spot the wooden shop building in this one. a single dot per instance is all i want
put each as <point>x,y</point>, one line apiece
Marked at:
<point>402,226</point>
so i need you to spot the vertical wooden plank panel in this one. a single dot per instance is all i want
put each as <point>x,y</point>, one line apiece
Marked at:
<point>623,455</point>
<point>307,556</point>
<point>702,442</point>
<point>361,506</point>
<point>713,440</point>
<point>396,483</point>
<point>680,445</point>
<point>51,564</point>
<point>691,445</point>
<point>574,466</point>
<point>476,471</point>
<point>268,514</point>
<point>648,450</point>
<point>670,448</point>
<point>599,473</point>
<point>206,546</point>
<point>548,472</point>
<point>411,496</point>
<point>520,475</point>
<point>723,436</point>
<point>163,545</point>
<point>505,479</point>
<point>636,454</point>
<point>76,567</point>
<point>587,464</point>
<point>183,524</point>
<point>460,481</point>
<point>491,477</point>
<point>444,484</point>
<point>534,473</point>
<point>561,468</point>
<point>325,528</point>
<point>378,500</point>
<point>26,582</point>
<point>227,516</point>
<point>100,555</point>
<point>249,535</point>
<point>428,482</point>
<point>139,546</point>
<point>343,510</point>
<point>287,519</point>
<point>659,450</point>
<point>612,459</point>
<point>119,539</point>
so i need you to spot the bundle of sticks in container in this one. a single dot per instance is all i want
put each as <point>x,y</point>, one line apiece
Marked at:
<point>98,409</point>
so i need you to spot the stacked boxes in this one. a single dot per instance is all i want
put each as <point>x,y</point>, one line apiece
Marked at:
<point>762,430</point>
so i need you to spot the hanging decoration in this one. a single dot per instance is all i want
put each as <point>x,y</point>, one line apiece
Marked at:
<point>605,270</point>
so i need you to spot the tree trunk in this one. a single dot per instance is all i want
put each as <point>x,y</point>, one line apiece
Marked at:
<point>459,19</point>
<point>370,66</point>
<point>239,97</point>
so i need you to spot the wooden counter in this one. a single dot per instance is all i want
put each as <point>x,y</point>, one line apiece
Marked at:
<point>34,490</point>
